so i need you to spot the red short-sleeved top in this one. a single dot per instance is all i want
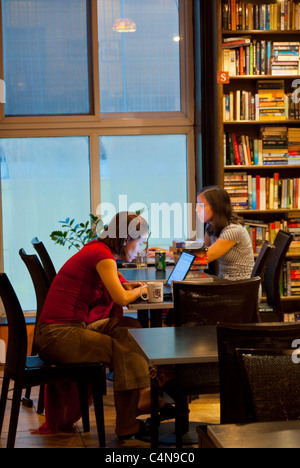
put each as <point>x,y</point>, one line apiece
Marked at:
<point>77,293</point>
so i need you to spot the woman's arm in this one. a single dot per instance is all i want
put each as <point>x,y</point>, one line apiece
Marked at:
<point>218,249</point>
<point>107,270</point>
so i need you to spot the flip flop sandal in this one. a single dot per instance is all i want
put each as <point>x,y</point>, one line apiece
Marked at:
<point>167,412</point>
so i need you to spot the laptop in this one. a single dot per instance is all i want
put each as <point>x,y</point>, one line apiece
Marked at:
<point>179,271</point>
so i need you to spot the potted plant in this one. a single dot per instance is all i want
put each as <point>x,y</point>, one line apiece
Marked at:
<point>77,235</point>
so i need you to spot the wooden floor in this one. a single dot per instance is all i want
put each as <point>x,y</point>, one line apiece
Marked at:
<point>205,409</point>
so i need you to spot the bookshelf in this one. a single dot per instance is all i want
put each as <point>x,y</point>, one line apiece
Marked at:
<point>259,121</point>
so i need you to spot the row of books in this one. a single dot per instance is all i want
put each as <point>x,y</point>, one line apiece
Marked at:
<point>260,232</point>
<point>291,317</point>
<point>249,192</point>
<point>239,15</point>
<point>277,146</point>
<point>243,105</point>
<point>294,145</point>
<point>242,56</point>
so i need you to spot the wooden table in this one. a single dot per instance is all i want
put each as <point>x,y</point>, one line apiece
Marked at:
<point>285,434</point>
<point>145,275</point>
<point>174,346</point>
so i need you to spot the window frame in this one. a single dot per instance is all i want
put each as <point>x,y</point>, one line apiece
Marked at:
<point>94,119</point>
<point>95,125</point>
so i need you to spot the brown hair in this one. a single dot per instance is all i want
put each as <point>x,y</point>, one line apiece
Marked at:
<point>223,215</point>
<point>123,226</point>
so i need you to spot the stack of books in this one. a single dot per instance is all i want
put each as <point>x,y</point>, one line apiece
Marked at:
<point>271,100</point>
<point>294,228</point>
<point>294,146</point>
<point>293,277</point>
<point>285,58</point>
<point>274,145</point>
<point>236,184</point>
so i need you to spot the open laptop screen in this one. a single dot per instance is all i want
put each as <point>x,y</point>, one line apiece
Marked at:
<point>181,268</point>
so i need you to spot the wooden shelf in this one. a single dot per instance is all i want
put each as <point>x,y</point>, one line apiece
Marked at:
<point>257,32</point>
<point>264,77</point>
<point>252,127</point>
<point>261,122</point>
<point>255,167</point>
<point>279,210</point>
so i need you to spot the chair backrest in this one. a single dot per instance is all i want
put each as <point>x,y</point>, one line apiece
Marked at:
<point>262,259</point>
<point>39,278</point>
<point>45,259</point>
<point>271,383</point>
<point>272,276</point>
<point>234,402</point>
<point>17,333</point>
<point>210,303</point>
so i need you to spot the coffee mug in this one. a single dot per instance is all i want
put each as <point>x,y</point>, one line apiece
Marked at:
<point>154,292</point>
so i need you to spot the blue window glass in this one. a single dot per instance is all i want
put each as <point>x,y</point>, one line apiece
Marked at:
<point>45,57</point>
<point>150,172</point>
<point>43,181</point>
<point>139,56</point>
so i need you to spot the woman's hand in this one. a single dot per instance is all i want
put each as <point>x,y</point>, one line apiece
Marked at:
<point>131,286</point>
<point>107,270</point>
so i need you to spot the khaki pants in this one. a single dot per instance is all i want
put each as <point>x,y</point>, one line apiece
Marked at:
<point>107,341</point>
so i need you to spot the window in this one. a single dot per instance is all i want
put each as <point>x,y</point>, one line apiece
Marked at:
<point>139,56</point>
<point>45,57</point>
<point>43,181</point>
<point>94,117</point>
<point>148,172</point>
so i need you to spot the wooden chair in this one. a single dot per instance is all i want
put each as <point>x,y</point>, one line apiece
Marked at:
<point>272,311</point>
<point>41,286</point>
<point>262,259</point>
<point>45,259</point>
<point>32,371</point>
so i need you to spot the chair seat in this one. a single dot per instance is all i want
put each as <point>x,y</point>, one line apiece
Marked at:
<point>33,362</point>
<point>38,371</point>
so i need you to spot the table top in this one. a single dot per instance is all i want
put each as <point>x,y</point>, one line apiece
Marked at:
<point>145,274</point>
<point>177,345</point>
<point>284,434</point>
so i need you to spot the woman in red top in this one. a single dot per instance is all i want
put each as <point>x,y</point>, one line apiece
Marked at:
<point>82,319</point>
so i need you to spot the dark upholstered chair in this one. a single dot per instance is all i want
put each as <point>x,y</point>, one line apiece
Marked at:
<point>198,304</point>
<point>207,304</point>
<point>266,336</point>
<point>271,382</point>
<point>31,371</point>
